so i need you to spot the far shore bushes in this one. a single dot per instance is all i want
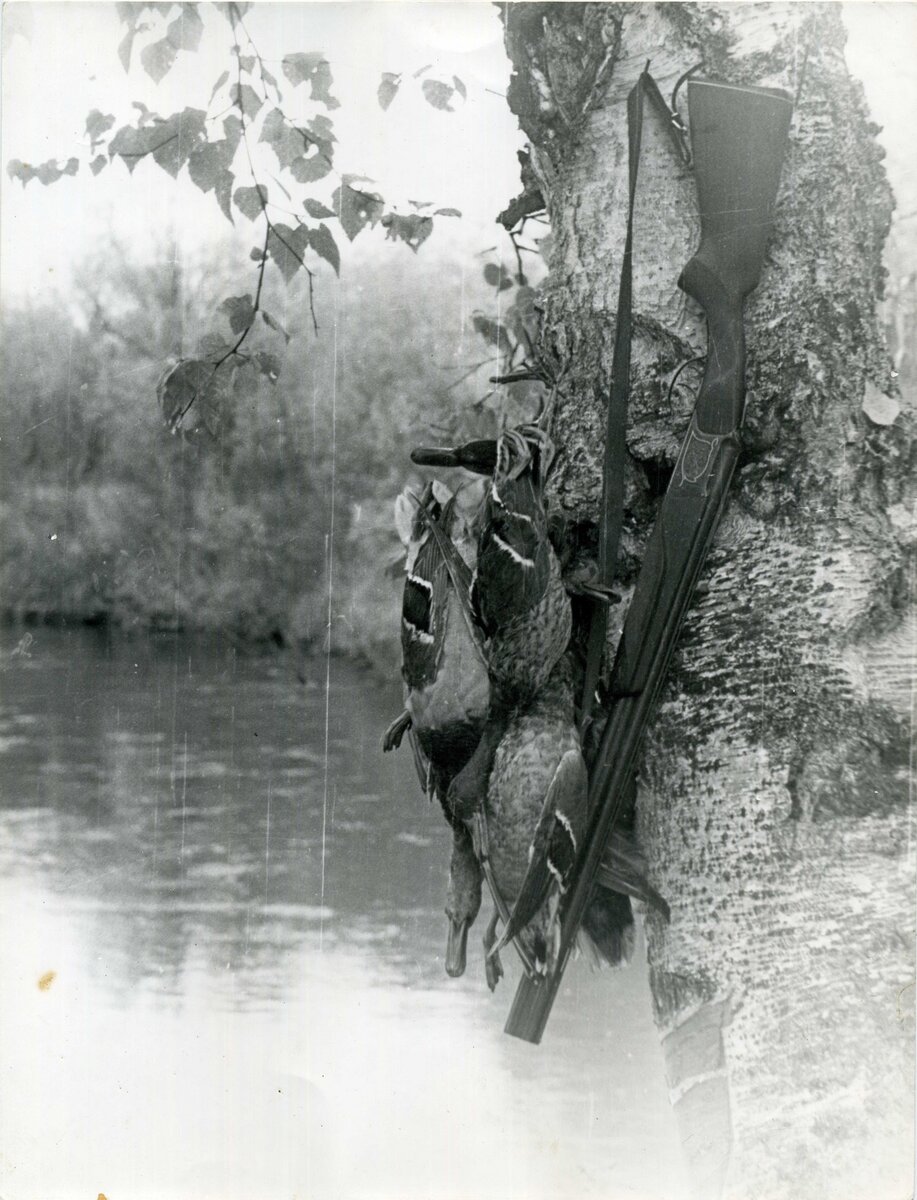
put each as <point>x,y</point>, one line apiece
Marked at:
<point>107,516</point>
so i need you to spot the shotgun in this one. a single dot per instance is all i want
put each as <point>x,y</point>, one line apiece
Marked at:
<point>738,142</point>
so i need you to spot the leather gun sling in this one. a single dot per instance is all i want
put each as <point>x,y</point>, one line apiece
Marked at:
<point>612,510</point>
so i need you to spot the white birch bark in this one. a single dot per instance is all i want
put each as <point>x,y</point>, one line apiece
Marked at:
<point>774,803</point>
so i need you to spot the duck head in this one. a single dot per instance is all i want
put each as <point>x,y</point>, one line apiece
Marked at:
<point>479,456</point>
<point>525,448</point>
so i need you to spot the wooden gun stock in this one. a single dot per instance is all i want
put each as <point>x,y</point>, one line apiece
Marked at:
<point>738,140</point>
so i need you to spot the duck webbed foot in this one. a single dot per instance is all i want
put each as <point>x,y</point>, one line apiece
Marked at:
<point>582,580</point>
<point>391,739</point>
<point>595,591</point>
<point>493,968</point>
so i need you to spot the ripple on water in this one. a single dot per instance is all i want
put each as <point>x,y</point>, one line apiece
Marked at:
<point>185,812</point>
<point>203,769</point>
<point>69,769</point>
<point>9,741</point>
<point>413,839</point>
<point>308,913</point>
<point>219,870</point>
<point>127,737</point>
<point>381,933</point>
<point>26,816</point>
<point>303,754</point>
<point>281,792</point>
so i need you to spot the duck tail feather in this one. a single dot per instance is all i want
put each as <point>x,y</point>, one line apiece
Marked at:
<point>608,924</point>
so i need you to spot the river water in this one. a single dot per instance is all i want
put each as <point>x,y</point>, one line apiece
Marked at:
<point>222,946</point>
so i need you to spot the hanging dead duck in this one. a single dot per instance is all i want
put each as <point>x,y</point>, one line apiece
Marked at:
<point>518,596</point>
<point>535,815</point>
<point>446,683</point>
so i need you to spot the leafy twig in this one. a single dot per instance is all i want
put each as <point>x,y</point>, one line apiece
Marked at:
<point>233,350</point>
<point>476,367</point>
<point>151,150</point>
<point>259,59</point>
<point>514,234</point>
<point>271,228</point>
<point>256,304</point>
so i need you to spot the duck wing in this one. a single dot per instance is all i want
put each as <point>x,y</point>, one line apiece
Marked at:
<point>514,566</point>
<point>554,846</point>
<point>423,615</point>
<point>421,764</point>
<point>458,572</point>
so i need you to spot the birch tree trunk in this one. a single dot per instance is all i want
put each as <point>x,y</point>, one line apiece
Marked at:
<point>773,802</point>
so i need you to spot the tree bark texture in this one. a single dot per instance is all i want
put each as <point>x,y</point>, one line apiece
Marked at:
<point>773,801</point>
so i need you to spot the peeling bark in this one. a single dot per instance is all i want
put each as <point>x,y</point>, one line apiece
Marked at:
<point>773,803</point>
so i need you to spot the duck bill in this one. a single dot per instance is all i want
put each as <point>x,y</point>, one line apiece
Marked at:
<point>479,456</point>
<point>456,947</point>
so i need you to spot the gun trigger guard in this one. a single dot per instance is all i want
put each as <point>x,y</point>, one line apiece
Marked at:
<point>681,134</point>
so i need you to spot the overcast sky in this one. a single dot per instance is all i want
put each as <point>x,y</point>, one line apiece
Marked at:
<point>60,60</point>
<point>66,63</point>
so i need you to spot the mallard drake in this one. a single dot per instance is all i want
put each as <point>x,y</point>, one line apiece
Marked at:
<point>536,813</point>
<point>517,593</point>
<point>518,597</point>
<point>446,682</point>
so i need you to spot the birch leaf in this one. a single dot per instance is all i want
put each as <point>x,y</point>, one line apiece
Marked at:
<point>185,31</point>
<point>273,323</point>
<point>246,99</point>
<point>158,58</point>
<point>314,69</point>
<point>286,247</point>
<point>97,124</point>
<point>240,310</point>
<point>388,89</point>
<point>268,364</point>
<point>438,94</point>
<point>413,229</point>
<point>308,170</point>
<point>881,409</point>
<point>324,245</point>
<point>224,78</point>
<point>250,201</point>
<point>356,208</point>
<point>316,209</point>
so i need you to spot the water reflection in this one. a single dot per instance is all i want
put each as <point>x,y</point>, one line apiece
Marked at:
<point>236,1012</point>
